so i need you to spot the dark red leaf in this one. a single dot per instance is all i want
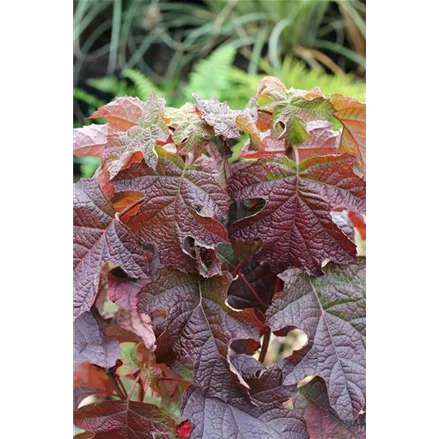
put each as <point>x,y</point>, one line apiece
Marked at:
<point>123,420</point>
<point>181,204</point>
<point>295,223</point>
<point>199,326</point>
<point>331,311</point>
<point>343,221</point>
<point>90,345</point>
<point>232,414</point>
<point>99,238</point>
<point>311,403</point>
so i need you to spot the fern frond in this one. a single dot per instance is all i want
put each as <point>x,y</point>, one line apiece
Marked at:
<point>110,85</point>
<point>211,75</point>
<point>88,98</point>
<point>144,86</point>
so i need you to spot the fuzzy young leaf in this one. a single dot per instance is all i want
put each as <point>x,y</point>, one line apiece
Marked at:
<point>180,202</point>
<point>331,311</point>
<point>190,132</point>
<point>291,109</point>
<point>295,223</point>
<point>220,116</point>
<point>140,139</point>
<point>99,238</point>
<point>324,141</point>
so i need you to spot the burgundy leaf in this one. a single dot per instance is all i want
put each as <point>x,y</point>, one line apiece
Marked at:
<point>220,116</point>
<point>311,403</point>
<point>266,384</point>
<point>295,223</point>
<point>124,420</point>
<point>90,140</point>
<point>99,238</point>
<point>260,417</point>
<point>199,326</point>
<point>181,203</point>
<point>123,291</point>
<point>90,345</point>
<point>324,140</point>
<point>217,160</point>
<point>331,311</point>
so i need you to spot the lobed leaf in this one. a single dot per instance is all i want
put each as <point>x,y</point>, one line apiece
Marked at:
<point>123,419</point>
<point>190,133</point>
<point>89,344</point>
<point>181,202</point>
<point>312,404</point>
<point>219,116</point>
<point>331,311</point>
<point>291,109</point>
<point>99,238</point>
<point>140,138</point>
<point>295,224</point>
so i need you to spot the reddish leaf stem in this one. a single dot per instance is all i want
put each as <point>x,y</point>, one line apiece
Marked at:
<point>133,387</point>
<point>265,343</point>
<point>252,290</point>
<point>118,386</point>
<point>173,379</point>
<point>141,392</point>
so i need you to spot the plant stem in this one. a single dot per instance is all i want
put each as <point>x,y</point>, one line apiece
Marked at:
<point>133,387</point>
<point>117,385</point>
<point>265,343</point>
<point>289,151</point>
<point>141,392</point>
<point>252,290</point>
<point>173,379</point>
